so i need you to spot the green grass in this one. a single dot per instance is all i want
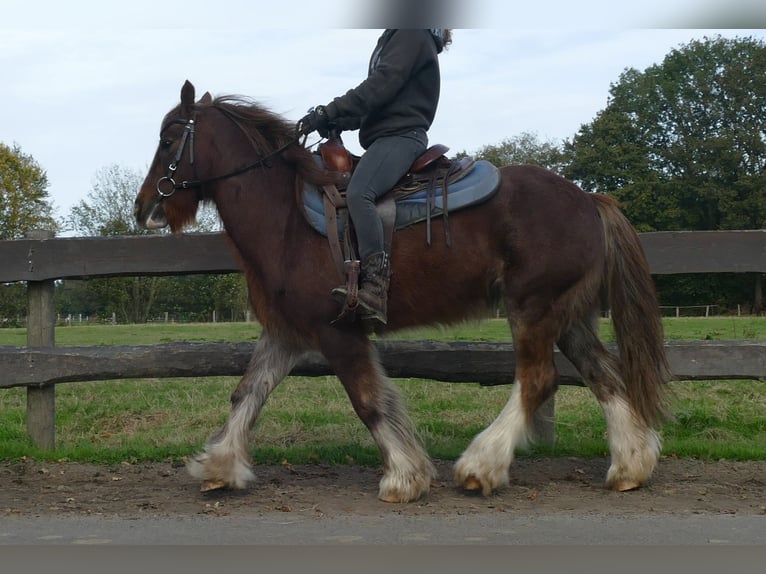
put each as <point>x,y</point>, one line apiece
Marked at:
<point>148,334</point>
<point>684,328</point>
<point>310,419</point>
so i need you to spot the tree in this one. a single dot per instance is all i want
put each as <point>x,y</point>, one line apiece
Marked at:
<point>24,206</point>
<point>24,202</point>
<point>13,304</point>
<point>525,148</point>
<point>230,296</point>
<point>108,209</point>
<point>682,145</point>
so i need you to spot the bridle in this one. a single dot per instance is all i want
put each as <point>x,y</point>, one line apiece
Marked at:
<point>188,137</point>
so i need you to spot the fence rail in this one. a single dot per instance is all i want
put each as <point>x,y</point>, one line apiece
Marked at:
<point>86,257</point>
<point>455,362</point>
<point>40,366</point>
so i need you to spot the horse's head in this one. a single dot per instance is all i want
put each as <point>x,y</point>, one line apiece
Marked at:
<point>164,199</point>
<point>235,138</point>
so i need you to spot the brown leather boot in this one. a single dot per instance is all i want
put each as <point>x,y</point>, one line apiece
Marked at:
<point>373,290</point>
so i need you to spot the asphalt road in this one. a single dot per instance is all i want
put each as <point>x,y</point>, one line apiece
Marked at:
<point>709,530</point>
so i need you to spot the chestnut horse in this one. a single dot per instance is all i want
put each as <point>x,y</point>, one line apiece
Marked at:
<point>540,243</point>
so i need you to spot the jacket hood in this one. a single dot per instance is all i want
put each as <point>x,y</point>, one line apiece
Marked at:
<point>438,36</point>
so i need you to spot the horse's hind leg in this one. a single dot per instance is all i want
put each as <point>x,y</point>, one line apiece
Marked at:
<point>407,469</point>
<point>634,445</point>
<point>225,462</point>
<point>484,464</point>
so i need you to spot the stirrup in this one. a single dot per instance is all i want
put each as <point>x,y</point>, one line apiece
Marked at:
<point>373,323</point>
<point>348,296</point>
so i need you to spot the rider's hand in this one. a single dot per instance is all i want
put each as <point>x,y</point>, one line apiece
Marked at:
<point>315,120</point>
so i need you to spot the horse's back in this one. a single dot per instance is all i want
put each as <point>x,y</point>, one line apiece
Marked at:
<point>536,190</point>
<point>547,209</point>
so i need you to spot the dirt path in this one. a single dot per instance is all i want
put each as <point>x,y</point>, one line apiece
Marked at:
<point>538,486</point>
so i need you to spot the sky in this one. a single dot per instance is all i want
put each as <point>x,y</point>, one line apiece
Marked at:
<point>85,85</point>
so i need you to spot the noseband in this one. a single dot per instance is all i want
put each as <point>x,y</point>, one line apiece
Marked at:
<point>170,184</point>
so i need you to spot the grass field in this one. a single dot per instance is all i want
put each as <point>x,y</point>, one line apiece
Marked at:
<point>310,419</point>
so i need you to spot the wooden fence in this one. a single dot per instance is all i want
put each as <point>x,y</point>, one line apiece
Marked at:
<point>41,365</point>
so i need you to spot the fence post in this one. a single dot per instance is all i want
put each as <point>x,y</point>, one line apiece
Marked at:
<point>41,323</point>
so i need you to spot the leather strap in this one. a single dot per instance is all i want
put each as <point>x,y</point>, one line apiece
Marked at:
<point>331,219</point>
<point>331,192</point>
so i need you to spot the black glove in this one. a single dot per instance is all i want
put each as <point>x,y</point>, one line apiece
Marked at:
<point>315,120</point>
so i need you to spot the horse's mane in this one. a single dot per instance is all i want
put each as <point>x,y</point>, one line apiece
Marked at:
<point>267,131</point>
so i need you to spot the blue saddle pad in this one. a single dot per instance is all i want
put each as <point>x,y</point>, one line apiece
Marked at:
<point>477,186</point>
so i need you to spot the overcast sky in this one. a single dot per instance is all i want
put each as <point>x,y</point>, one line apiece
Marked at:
<point>86,88</point>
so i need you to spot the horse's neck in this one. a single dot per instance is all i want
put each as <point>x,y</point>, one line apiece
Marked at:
<point>256,208</point>
<point>256,215</point>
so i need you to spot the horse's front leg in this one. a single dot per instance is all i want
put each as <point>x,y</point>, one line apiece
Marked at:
<point>407,469</point>
<point>225,461</point>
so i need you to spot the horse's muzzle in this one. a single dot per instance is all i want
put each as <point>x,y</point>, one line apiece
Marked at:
<point>153,217</point>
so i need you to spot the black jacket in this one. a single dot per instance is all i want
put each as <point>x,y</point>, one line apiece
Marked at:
<point>401,91</point>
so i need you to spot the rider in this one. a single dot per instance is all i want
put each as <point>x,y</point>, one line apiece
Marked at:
<point>392,109</point>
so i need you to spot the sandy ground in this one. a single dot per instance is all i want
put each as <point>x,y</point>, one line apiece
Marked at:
<point>537,486</point>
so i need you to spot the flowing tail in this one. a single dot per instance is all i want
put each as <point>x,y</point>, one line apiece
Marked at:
<point>635,314</point>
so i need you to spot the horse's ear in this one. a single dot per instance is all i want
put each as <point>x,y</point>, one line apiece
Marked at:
<point>187,98</point>
<point>206,99</point>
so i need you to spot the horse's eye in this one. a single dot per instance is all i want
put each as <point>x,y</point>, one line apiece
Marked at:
<point>166,143</point>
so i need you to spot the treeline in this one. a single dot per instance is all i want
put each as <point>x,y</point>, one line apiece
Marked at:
<point>188,298</point>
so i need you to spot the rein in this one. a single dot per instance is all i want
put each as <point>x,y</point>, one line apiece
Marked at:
<point>188,135</point>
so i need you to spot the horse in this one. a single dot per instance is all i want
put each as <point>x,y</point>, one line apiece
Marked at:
<point>541,245</point>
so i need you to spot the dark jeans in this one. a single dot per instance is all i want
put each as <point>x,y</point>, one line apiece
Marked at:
<point>381,166</point>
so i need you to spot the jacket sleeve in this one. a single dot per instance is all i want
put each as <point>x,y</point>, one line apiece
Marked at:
<point>396,65</point>
<point>346,123</point>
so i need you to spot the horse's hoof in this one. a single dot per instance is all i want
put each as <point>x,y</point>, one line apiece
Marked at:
<point>390,498</point>
<point>471,483</point>
<point>625,485</point>
<point>209,485</point>
<point>394,497</point>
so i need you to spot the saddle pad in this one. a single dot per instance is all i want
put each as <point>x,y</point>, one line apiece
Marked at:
<point>475,187</point>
